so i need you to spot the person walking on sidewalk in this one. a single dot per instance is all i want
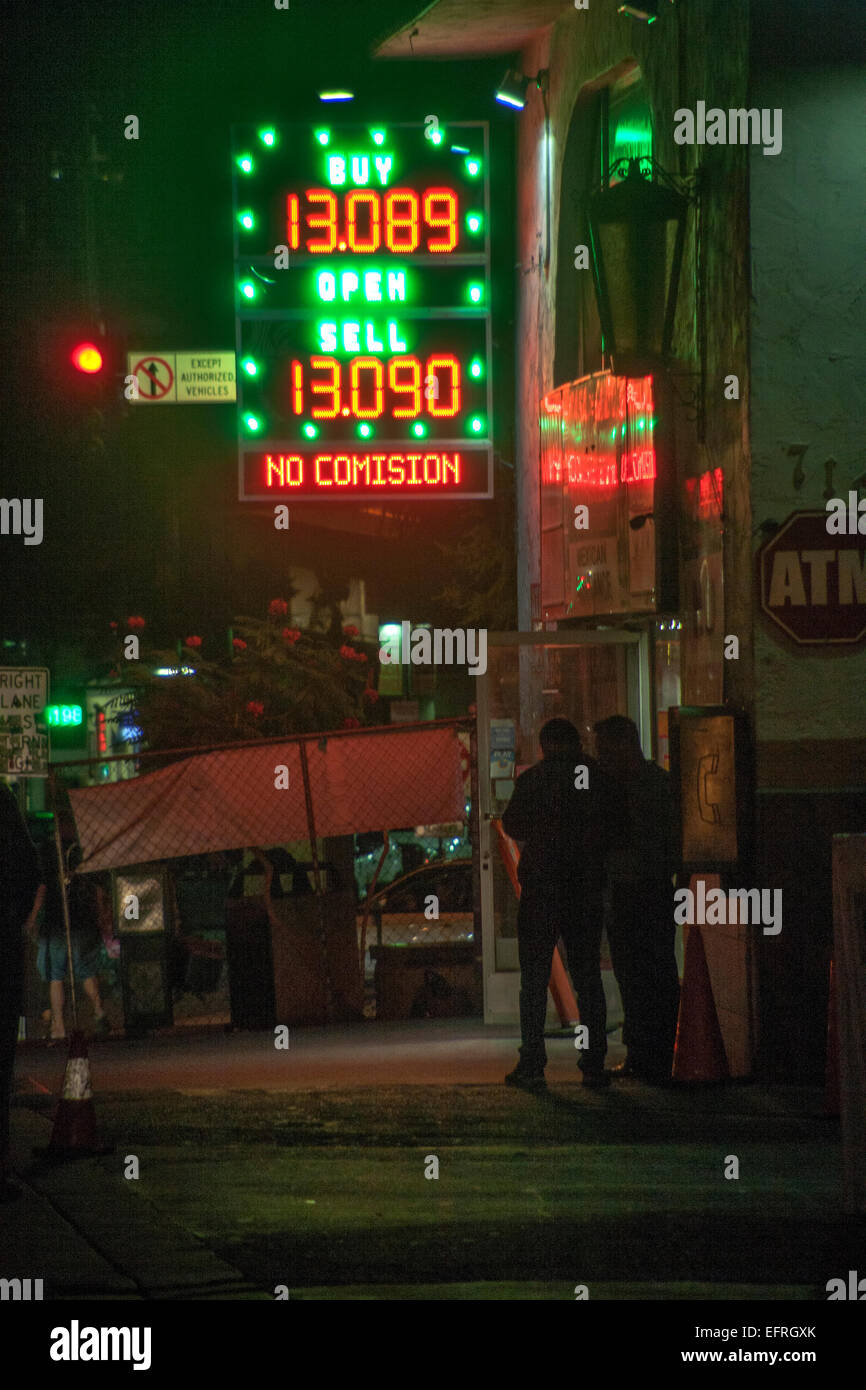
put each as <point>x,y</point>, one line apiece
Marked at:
<point>87,907</point>
<point>19,880</point>
<point>641,928</point>
<point>567,813</point>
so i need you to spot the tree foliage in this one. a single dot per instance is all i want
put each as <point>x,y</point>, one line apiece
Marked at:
<point>277,681</point>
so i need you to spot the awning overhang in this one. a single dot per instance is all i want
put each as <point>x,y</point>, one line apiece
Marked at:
<point>471,28</point>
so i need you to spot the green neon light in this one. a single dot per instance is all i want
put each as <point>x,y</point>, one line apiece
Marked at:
<point>63,716</point>
<point>473,168</point>
<point>247,220</point>
<point>248,289</point>
<point>475,293</point>
<point>323,137</point>
<point>365,431</point>
<point>632,135</point>
<point>245,163</point>
<point>359,169</point>
<point>378,137</point>
<point>476,367</point>
<point>374,284</point>
<point>419,430</point>
<point>476,424</point>
<point>473,222</point>
<point>311,431</point>
<point>435,137</point>
<point>250,367</point>
<point>268,137</point>
<point>252,423</point>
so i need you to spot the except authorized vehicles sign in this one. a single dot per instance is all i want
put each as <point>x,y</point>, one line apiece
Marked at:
<point>202,378</point>
<point>813,585</point>
<point>23,697</point>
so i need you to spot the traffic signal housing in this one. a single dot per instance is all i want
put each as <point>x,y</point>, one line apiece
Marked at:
<point>80,361</point>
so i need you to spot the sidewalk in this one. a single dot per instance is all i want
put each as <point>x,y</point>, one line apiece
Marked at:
<point>306,1168</point>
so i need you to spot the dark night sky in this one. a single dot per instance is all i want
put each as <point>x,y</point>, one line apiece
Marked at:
<point>163,257</point>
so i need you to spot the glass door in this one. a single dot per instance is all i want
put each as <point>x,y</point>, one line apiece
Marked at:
<point>532,677</point>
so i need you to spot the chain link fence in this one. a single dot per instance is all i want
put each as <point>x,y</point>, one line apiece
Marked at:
<point>256,883</point>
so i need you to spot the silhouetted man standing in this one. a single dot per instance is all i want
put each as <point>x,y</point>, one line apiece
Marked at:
<point>567,812</point>
<point>641,928</point>
<point>19,880</point>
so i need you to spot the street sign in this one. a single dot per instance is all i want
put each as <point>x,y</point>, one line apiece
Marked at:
<point>186,378</point>
<point>813,585</point>
<point>23,745</point>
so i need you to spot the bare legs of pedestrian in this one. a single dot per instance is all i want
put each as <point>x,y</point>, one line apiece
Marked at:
<point>56,990</point>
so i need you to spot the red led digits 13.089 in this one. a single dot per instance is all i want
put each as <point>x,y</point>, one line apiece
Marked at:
<point>365,221</point>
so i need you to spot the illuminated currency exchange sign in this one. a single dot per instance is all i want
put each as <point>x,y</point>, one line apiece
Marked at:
<point>362,304</point>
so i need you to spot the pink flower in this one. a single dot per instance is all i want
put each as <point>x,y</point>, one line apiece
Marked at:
<point>255,708</point>
<point>135,623</point>
<point>278,608</point>
<point>192,641</point>
<point>351,722</point>
<point>239,644</point>
<point>350,630</point>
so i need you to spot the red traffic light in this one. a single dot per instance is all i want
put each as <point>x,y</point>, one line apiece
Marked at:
<point>86,357</point>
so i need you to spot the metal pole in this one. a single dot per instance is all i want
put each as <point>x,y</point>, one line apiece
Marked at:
<point>320,906</point>
<point>311,821</point>
<point>61,871</point>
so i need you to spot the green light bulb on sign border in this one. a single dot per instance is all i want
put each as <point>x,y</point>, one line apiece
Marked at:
<point>365,431</point>
<point>378,137</point>
<point>473,167</point>
<point>476,367</point>
<point>476,424</point>
<point>419,430</point>
<point>250,366</point>
<point>247,220</point>
<point>245,163</point>
<point>248,289</point>
<point>323,137</point>
<point>253,423</point>
<point>268,137</point>
<point>473,221</point>
<point>311,431</point>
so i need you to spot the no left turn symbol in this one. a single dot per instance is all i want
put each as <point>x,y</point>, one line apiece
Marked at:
<point>155,378</point>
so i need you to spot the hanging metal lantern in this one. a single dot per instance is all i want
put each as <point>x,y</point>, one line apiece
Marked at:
<point>637,229</point>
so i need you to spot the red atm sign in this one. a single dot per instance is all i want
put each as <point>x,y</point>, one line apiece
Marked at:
<point>813,585</point>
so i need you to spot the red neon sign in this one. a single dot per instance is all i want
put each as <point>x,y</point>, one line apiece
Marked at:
<point>326,473</point>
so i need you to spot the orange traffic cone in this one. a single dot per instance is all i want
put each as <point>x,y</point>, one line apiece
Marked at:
<point>74,1132</point>
<point>699,1054</point>
<point>832,1099</point>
